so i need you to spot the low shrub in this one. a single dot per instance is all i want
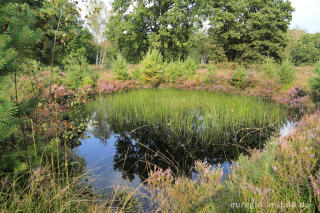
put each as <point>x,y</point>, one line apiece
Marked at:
<point>299,99</point>
<point>211,70</point>
<point>189,67</point>
<point>269,68</point>
<point>287,73</point>
<point>120,68</point>
<point>239,77</point>
<point>174,71</point>
<point>136,74</point>
<point>314,81</point>
<point>78,73</point>
<point>152,68</point>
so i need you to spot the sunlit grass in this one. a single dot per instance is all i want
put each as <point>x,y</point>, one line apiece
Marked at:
<point>212,116</point>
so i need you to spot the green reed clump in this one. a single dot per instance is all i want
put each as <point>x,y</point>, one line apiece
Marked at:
<point>212,116</point>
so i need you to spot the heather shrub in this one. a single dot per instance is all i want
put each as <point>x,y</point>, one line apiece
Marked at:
<point>152,68</point>
<point>315,181</point>
<point>299,99</point>
<point>283,177</point>
<point>269,68</point>
<point>287,73</point>
<point>120,69</point>
<point>314,81</point>
<point>184,194</point>
<point>239,77</point>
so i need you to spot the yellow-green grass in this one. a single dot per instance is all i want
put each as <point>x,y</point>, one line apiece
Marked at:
<point>212,116</point>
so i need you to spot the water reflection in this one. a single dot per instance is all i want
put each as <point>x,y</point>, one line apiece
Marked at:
<point>125,154</point>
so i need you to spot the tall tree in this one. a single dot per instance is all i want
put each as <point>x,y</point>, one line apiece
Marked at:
<point>97,18</point>
<point>167,25</point>
<point>20,36</point>
<point>306,50</point>
<point>250,29</point>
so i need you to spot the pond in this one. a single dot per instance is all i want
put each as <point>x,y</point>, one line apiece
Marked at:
<point>133,132</point>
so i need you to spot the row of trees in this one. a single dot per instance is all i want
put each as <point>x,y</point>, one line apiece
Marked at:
<point>234,30</point>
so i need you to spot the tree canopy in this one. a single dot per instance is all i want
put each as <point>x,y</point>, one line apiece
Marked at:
<point>249,30</point>
<point>306,50</point>
<point>166,25</point>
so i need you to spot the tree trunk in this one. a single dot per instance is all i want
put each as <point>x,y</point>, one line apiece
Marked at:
<point>97,58</point>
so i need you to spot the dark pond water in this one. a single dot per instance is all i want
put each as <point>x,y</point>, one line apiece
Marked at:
<point>123,156</point>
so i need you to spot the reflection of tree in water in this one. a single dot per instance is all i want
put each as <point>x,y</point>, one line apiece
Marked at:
<point>140,150</point>
<point>101,130</point>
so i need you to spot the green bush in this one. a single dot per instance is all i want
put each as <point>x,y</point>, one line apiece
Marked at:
<point>287,73</point>
<point>314,81</point>
<point>306,50</point>
<point>212,69</point>
<point>239,77</point>
<point>190,66</point>
<point>78,72</point>
<point>174,71</point>
<point>136,74</point>
<point>120,68</point>
<point>152,68</point>
<point>269,68</point>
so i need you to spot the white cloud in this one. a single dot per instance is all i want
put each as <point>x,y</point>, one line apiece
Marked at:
<point>306,15</point>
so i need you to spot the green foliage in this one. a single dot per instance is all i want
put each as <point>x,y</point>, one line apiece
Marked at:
<point>199,47</point>
<point>287,73</point>
<point>21,37</point>
<point>239,77</point>
<point>120,68</point>
<point>306,50</point>
<point>174,71</point>
<point>8,121</point>
<point>250,30</point>
<point>78,72</point>
<point>269,68</point>
<point>136,74</point>
<point>152,67</point>
<point>314,81</point>
<point>189,66</point>
<point>212,68</point>
<point>70,33</point>
<point>294,35</point>
<point>6,54</point>
<point>169,29</point>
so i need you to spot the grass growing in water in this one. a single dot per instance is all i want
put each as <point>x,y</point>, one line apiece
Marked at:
<point>211,116</point>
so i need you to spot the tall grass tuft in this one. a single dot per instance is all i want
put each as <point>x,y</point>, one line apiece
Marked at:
<point>211,116</point>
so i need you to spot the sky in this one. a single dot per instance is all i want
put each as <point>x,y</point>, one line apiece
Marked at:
<point>306,15</point>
